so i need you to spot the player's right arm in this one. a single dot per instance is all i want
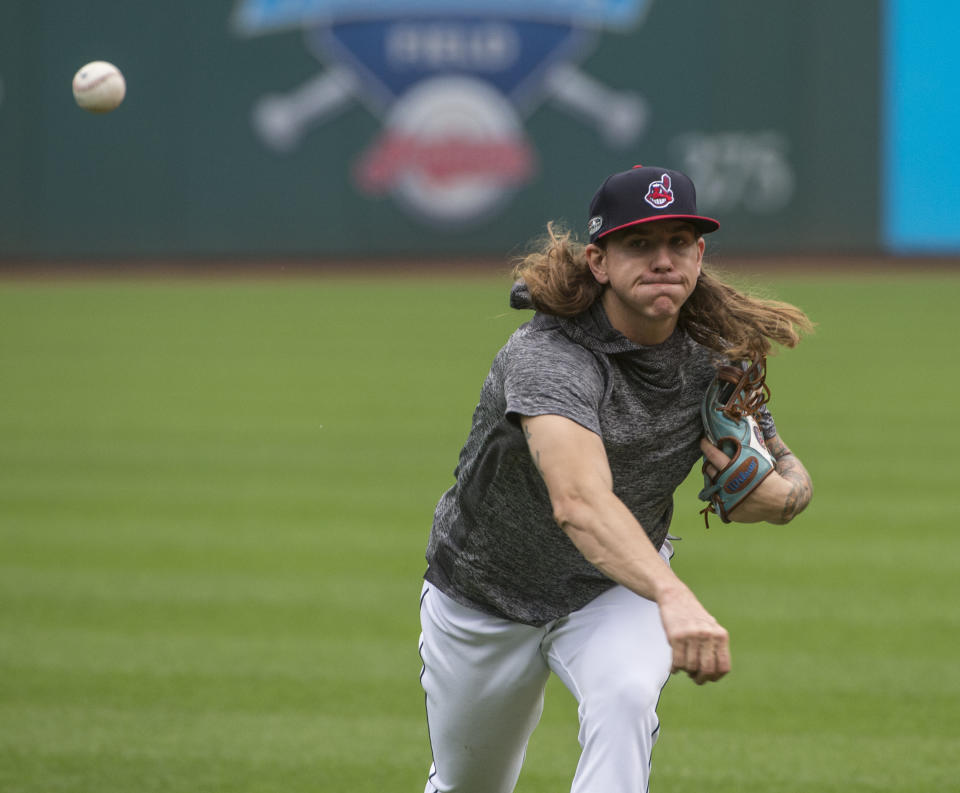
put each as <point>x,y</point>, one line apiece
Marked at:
<point>573,463</point>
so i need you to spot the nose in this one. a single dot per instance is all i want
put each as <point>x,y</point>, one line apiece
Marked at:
<point>661,258</point>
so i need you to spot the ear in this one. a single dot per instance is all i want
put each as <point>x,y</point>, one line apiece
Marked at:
<point>701,247</point>
<point>597,261</point>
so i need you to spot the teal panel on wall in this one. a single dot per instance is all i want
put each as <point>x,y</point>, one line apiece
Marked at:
<point>922,127</point>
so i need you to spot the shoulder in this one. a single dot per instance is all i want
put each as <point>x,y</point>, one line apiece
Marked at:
<point>543,371</point>
<point>542,342</point>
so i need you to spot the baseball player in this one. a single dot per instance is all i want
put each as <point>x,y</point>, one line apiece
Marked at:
<point>551,552</point>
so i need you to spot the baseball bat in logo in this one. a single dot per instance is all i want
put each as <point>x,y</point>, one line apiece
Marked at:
<point>453,83</point>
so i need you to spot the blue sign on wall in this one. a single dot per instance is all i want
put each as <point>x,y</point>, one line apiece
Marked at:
<point>261,15</point>
<point>922,127</point>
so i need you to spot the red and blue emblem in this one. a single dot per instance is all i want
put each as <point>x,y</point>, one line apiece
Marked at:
<point>660,194</point>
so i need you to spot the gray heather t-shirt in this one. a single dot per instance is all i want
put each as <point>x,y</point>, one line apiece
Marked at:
<point>494,544</point>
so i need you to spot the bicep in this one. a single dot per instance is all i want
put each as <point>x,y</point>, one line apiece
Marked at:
<point>570,458</point>
<point>574,465</point>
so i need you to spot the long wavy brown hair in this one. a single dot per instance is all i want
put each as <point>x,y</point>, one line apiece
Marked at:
<point>717,315</point>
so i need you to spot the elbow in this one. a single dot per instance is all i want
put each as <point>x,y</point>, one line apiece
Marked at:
<point>796,489</point>
<point>571,512</point>
<point>797,501</point>
<point>566,512</point>
<point>585,522</point>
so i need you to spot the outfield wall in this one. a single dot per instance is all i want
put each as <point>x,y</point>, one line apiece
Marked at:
<point>325,128</point>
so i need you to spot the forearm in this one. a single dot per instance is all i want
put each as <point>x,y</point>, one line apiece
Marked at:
<point>790,469</point>
<point>612,540</point>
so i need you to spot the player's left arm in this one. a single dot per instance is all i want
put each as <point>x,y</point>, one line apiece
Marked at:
<point>782,496</point>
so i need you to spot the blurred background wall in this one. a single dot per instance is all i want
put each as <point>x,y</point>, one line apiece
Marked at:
<point>441,128</point>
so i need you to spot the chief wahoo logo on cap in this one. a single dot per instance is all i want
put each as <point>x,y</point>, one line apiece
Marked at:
<point>660,196</point>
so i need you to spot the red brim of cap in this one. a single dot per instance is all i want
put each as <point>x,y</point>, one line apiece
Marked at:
<point>703,224</point>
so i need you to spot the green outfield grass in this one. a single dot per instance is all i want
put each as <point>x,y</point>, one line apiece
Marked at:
<point>214,498</point>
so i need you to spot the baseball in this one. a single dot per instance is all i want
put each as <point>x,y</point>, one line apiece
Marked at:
<point>99,87</point>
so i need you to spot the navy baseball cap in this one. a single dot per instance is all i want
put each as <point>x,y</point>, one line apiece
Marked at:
<point>642,194</point>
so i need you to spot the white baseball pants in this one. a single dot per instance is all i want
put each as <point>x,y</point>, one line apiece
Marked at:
<point>484,679</point>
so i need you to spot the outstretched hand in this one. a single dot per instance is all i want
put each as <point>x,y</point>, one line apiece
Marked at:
<point>701,646</point>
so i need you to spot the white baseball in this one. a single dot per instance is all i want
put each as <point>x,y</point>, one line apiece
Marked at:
<point>99,87</point>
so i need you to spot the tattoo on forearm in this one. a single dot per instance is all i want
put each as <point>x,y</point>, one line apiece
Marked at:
<point>791,469</point>
<point>777,448</point>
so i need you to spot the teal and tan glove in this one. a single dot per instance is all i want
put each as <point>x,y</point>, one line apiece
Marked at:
<point>728,411</point>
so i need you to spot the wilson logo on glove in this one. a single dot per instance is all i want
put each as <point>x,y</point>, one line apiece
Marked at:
<point>742,477</point>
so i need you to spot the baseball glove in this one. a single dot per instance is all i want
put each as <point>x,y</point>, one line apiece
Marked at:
<point>728,412</point>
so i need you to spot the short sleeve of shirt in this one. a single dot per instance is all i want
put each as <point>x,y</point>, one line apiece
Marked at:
<point>766,423</point>
<point>546,373</point>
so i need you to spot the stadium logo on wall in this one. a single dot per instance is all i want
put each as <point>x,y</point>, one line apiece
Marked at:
<point>452,82</point>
